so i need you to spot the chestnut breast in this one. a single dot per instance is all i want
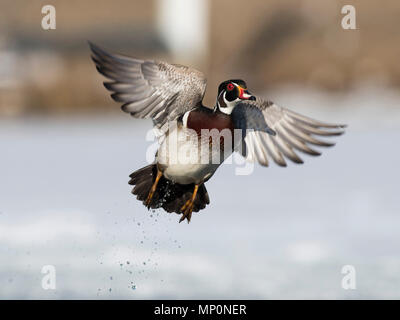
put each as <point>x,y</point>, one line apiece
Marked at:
<point>199,119</point>
<point>203,119</point>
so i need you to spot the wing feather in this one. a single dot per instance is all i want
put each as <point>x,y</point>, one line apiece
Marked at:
<point>294,132</point>
<point>150,89</point>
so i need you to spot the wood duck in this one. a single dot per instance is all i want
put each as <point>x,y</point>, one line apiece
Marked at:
<point>171,95</point>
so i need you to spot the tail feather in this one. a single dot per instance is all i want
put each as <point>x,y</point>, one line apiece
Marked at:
<point>169,195</point>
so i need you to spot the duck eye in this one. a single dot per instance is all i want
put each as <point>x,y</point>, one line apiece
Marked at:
<point>230,87</point>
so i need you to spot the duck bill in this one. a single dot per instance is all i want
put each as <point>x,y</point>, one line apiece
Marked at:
<point>245,95</point>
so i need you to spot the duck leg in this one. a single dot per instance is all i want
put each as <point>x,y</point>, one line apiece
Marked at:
<point>187,208</point>
<point>153,189</point>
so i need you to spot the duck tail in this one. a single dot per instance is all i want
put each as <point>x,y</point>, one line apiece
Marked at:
<point>168,195</point>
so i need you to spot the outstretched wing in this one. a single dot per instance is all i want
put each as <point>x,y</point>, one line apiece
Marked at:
<point>150,89</point>
<point>294,132</point>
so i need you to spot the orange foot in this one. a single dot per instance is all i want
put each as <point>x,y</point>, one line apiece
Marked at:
<point>153,189</point>
<point>187,208</point>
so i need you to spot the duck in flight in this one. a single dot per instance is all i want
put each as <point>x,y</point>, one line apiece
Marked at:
<point>171,95</point>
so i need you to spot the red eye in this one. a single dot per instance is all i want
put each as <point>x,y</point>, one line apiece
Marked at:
<point>230,86</point>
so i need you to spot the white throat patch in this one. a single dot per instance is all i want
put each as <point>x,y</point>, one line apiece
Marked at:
<point>229,105</point>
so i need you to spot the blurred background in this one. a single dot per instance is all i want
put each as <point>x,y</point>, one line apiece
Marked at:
<point>67,151</point>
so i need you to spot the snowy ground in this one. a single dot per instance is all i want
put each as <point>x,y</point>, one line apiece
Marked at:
<point>278,233</point>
